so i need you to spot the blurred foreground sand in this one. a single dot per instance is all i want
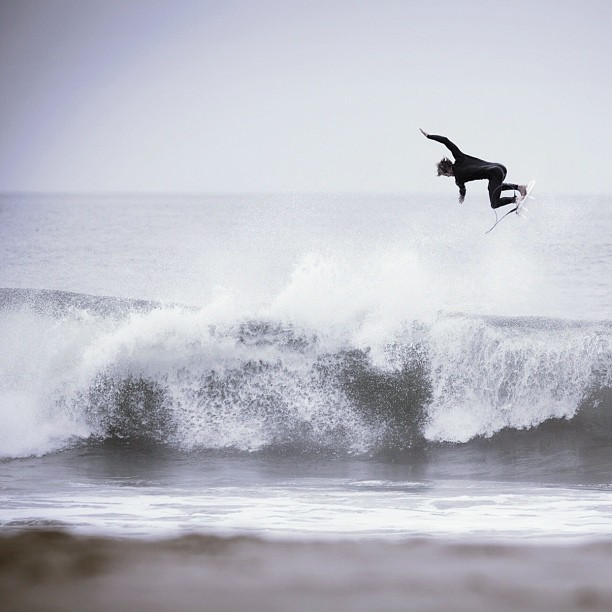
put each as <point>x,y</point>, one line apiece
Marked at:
<point>52,571</point>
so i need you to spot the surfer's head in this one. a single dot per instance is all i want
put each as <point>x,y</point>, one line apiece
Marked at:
<point>445,167</point>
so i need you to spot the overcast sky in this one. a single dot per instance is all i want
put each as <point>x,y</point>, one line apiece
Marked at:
<point>288,95</point>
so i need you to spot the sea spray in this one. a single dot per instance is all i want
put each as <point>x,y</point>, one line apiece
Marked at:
<point>78,368</point>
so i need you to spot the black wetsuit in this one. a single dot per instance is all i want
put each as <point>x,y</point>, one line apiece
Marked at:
<point>467,168</point>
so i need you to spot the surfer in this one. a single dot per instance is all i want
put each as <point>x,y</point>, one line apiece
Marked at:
<point>467,168</point>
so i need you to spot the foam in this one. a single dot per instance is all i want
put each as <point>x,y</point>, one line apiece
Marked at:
<point>329,378</point>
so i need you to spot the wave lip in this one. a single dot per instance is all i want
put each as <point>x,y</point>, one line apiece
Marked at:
<point>77,368</point>
<point>495,373</point>
<point>59,303</point>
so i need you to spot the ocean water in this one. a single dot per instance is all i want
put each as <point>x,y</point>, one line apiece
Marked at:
<point>306,366</point>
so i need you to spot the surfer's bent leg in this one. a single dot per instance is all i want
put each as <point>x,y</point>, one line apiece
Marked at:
<point>497,185</point>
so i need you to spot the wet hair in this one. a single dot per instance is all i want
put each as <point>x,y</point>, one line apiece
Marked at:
<point>445,167</point>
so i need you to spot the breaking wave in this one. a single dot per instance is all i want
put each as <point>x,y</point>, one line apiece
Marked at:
<point>77,368</point>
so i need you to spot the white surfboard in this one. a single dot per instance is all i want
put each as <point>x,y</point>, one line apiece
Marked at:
<point>520,205</point>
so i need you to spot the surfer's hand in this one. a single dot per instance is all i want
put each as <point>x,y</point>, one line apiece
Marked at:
<point>424,133</point>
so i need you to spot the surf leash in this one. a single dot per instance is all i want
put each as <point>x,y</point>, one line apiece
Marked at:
<point>498,220</point>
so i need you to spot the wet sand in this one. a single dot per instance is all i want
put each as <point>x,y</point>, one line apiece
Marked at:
<point>52,571</point>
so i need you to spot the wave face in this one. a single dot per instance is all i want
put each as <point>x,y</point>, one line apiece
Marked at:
<point>77,368</point>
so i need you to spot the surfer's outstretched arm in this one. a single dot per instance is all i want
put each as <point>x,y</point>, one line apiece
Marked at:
<point>451,146</point>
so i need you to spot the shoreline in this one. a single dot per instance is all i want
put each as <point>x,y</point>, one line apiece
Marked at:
<point>53,570</point>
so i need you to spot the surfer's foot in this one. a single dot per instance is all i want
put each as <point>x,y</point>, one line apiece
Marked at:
<point>522,189</point>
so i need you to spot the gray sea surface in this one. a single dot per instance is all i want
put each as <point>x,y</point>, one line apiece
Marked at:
<point>306,366</point>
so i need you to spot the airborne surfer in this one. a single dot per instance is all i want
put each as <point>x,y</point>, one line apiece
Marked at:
<point>467,168</point>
